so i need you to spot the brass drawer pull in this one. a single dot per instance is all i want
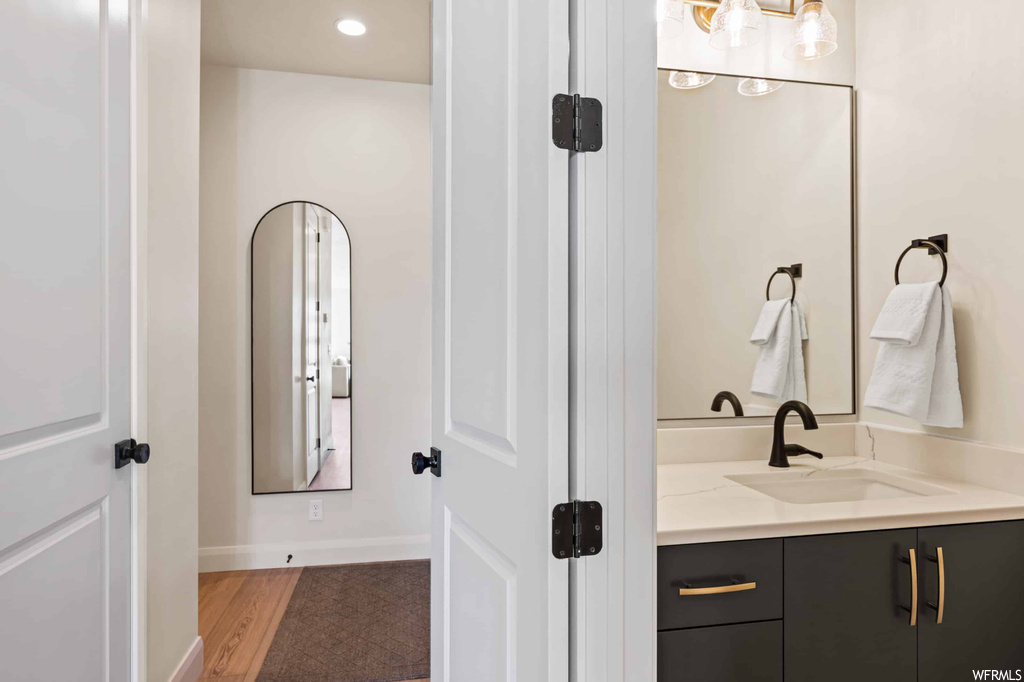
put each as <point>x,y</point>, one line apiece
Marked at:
<point>912,609</point>
<point>689,591</point>
<point>941,606</point>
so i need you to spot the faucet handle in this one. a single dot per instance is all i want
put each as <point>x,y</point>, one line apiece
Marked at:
<point>793,449</point>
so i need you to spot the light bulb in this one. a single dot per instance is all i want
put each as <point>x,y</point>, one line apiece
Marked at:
<point>755,87</point>
<point>813,35</point>
<point>688,80</point>
<point>350,27</point>
<point>736,24</point>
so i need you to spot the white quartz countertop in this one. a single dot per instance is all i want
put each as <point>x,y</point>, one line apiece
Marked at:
<point>699,503</point>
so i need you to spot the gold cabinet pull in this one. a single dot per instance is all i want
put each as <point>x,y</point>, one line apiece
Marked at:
<point>912,609</point>
<point>941,606</point>
<point>689,591</point>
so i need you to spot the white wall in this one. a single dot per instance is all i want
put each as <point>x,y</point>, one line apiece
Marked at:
<point>341,290</point>
<point>361,149</point>
<point>690,50</point>
<point>940,151</point>
<point>172,269</point>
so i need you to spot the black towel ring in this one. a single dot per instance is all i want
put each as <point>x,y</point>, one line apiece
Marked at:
<point>924,244</point>
<point>792,280</point>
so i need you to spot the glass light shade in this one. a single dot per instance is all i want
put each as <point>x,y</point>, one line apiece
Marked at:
<point>736,24</point>
<point>670,19</point>
<point>755,87</point>
<point>813,34</point>
<point>688,80</point>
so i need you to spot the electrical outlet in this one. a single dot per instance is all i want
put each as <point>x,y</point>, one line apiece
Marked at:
<point>316,510</point>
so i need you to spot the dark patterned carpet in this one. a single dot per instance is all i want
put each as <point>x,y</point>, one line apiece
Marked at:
<point>360,623</point>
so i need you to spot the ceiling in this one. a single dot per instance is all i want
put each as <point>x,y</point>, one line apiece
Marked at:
<point>299,36</point>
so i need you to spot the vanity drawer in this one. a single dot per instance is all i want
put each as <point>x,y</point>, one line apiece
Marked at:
<point>725,582</point>
<point>727,653</point>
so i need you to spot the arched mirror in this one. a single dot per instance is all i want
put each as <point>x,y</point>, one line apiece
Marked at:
<point>301,269</point>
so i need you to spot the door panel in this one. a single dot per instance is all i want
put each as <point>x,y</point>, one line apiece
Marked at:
<point>983,611</point>
<point>64,353</point>
<point>842,619</point>
<point>326,298</point>
<point>499,342</point>
<point>311,343</point>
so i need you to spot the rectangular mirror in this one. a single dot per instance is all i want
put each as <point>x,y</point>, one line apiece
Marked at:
<point>751,186</point>
<point>301,351</point>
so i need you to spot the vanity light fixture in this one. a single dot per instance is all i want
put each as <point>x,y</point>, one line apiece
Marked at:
<point>737,23</point>
<point>813,34</point>
<point>670,19</point>
<point>350,27</point>
<point>689,80</point>
<point>756,87</point>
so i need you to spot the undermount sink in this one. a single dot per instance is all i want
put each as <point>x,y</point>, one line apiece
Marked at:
<point>848,485</point>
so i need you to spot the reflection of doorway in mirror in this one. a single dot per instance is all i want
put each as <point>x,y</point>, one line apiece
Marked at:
<point>335,357</point>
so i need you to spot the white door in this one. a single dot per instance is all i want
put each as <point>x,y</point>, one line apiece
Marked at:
<point>326,382</point>
<point>65,331</point>
<point>311,344</point>
<point>499,599</point>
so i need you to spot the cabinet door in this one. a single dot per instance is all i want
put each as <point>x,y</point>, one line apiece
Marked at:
<point>843,616</point>
<point>982,600</point>
<point>725,653</point>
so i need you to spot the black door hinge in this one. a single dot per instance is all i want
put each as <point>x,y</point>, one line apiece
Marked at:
<point>576,123</point>
<point>318,443</point>
<point>577,529</point>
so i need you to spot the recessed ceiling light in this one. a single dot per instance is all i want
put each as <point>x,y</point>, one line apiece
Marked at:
<point>351,27</point>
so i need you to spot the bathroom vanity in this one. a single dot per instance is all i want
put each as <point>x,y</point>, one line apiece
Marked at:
<point>845,570</point>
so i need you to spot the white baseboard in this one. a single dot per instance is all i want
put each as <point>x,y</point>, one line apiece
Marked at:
<point>327,553</point>
<point>191,667</point>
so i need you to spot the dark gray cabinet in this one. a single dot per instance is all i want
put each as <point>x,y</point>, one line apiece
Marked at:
<point>726,653</point>
<point>847,606</point>
<point>843,619</point>
<point>983,602</point>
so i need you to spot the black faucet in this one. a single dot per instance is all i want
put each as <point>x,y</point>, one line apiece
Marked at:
<point>782,452</point>
<point>716,404</point>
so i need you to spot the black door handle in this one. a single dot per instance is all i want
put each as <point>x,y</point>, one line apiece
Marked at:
<point>421,463</point>
<point>129,451</point>
<point>310,378</point>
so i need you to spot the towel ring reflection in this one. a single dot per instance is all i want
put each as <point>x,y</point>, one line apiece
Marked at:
<point>794,271</point>
<point>939,246</point>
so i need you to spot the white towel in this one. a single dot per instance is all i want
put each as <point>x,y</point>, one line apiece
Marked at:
<point>779,372</point>
<point>767,321</point>
<point>916,373</point>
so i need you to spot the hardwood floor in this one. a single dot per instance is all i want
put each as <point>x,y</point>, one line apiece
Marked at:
<point>239,612</point>
<point>336,473</point>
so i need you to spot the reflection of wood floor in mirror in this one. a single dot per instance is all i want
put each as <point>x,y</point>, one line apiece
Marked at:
<point>336,472</point>
<point>239,613</point>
